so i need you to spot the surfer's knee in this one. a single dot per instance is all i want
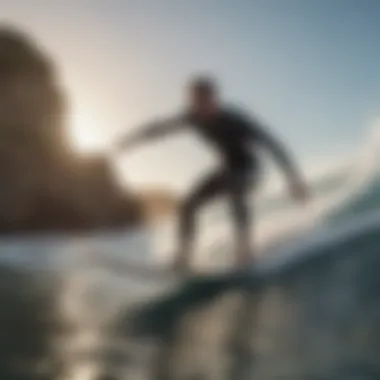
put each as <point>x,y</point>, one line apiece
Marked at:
<point>189,208</point>
<point>241,213</point>
<point>187,215</point>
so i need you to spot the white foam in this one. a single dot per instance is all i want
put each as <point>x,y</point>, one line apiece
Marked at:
<point>318,242</point>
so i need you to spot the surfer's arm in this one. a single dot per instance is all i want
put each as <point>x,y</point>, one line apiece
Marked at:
<point>282,157</point>
<point>152,131</point>
<point>279,153</point>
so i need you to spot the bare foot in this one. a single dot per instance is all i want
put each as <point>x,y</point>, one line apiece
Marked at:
<point>244,258</point>
<point>180,267</point>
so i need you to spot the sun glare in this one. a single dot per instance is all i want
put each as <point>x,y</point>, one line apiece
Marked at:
<point>85,133</point>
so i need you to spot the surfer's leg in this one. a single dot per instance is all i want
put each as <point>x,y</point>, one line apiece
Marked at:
<point>207,190</point>
<point>239,186</point>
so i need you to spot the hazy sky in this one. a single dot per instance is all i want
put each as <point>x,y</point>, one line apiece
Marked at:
<point>311,68</point>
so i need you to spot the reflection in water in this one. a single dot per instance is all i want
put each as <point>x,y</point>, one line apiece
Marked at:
<point>93,302</point>
<point>86,315</point>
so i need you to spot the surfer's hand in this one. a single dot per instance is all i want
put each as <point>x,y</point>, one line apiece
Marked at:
<point>299,191</point>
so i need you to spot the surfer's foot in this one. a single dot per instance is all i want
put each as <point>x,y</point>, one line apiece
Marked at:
<point>181,266</point>
<point>244,258</point>
<point>244,265</point>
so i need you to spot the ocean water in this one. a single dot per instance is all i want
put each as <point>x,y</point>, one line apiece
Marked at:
<point>69,298</point>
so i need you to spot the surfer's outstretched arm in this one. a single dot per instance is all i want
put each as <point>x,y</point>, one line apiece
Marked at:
<point>283,159</point>
<point>151,131</point>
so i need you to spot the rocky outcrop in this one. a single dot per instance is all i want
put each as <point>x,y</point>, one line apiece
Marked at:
<point>45,186</point>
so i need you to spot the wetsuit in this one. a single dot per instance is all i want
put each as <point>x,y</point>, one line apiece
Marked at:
<point>235,138</point>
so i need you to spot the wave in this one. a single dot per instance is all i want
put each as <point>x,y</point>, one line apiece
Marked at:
<point>336,241</point>
<point>322,290</point>
<point>350,187</point>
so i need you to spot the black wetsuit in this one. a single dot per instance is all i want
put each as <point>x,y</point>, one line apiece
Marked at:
<point>235,138</point>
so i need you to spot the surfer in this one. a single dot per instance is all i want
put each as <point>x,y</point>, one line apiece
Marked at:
<point>236,138</point>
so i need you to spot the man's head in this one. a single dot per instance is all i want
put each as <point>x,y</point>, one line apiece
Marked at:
<point>203,96</point>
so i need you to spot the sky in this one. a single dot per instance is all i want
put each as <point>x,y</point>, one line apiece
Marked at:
<point>310,68</point>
